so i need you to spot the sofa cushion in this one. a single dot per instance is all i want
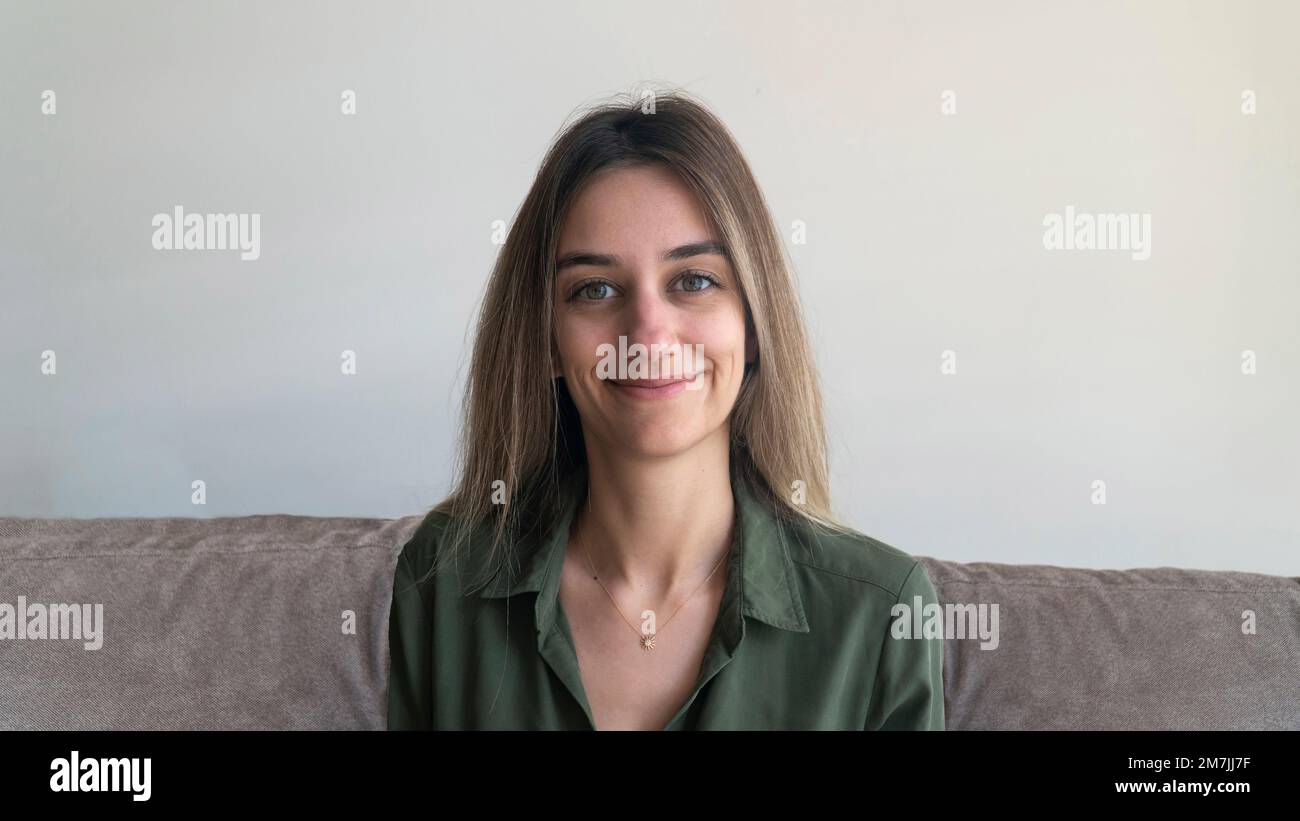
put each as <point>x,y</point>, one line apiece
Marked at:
<point>222,623</point>
<point>1149,649</point>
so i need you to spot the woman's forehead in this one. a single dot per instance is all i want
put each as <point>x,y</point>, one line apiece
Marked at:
<point>645,211</point>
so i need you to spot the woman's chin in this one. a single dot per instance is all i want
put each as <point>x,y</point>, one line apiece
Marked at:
<point>652,443</point>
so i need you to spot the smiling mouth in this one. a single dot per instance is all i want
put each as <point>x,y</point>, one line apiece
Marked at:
<point>649,388</point>
<point>647,383</point>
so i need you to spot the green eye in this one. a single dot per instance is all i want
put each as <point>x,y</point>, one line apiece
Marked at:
<point>591,291</point>
<point>696,281</point>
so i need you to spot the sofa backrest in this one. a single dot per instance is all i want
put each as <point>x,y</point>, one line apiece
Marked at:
<point>1149,649</point>
<point>222,623</point>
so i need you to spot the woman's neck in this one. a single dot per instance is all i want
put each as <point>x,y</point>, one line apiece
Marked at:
<point>657,525</point>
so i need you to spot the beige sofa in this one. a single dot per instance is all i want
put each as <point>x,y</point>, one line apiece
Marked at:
<point>243,623</point>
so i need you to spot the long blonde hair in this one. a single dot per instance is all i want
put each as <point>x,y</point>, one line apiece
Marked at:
<point>520,425</point>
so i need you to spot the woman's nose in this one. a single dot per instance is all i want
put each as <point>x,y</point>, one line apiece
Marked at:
<point>649,317</point>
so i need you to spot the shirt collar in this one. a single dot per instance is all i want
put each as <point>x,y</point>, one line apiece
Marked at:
<point>765,587</point>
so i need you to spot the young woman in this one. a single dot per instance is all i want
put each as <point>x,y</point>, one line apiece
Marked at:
<point>640,536</point>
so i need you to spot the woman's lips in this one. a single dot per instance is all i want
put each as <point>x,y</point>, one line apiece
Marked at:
<point>649,388</point>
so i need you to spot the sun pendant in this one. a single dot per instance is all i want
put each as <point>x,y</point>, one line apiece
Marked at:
<point>648,642</point>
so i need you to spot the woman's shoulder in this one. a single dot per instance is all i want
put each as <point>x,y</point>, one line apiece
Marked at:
<point>443,548</point>
<point>422,546</point>
<point>858,559</point>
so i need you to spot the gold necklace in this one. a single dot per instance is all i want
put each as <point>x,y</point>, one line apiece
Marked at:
<point>647,640</point>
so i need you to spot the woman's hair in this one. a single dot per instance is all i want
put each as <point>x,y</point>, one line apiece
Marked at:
<point>520,426</point>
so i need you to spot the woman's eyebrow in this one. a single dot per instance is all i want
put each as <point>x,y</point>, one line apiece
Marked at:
<point>690,249</point>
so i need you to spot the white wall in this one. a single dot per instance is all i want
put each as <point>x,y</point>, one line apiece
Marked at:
<point>924,234</point>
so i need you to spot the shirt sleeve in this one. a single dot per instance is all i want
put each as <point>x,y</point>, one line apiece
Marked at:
<point>908,692</point>
<point>410,677</point>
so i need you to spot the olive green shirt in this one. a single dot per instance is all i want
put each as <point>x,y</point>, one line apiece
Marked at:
<point>802,638</point>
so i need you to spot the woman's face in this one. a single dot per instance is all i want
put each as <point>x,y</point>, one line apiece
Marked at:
<point>625,268</point>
